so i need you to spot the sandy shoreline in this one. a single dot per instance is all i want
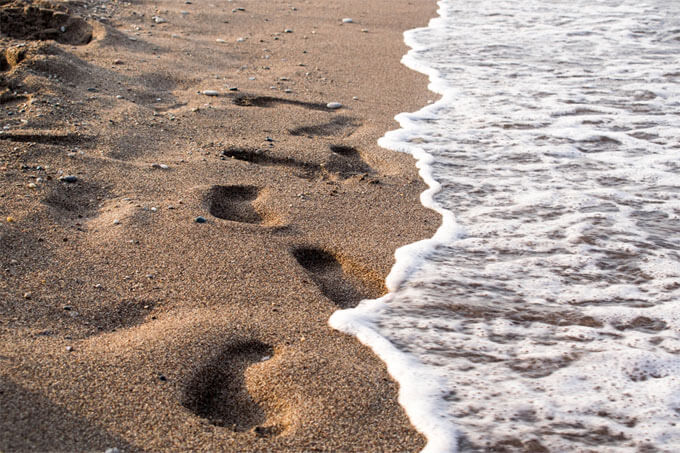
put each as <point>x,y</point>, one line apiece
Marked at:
<point>124,322</point>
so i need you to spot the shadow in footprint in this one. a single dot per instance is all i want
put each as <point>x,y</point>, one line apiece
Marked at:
<point>246,100</point>
<point>341,125</point>
<point>48,138</point>
<point>234,203</point>
<point>218,393</point>
<point>261,157</point>
<point>346,161</point>
<point>343,288</point>
<point>75,200</point>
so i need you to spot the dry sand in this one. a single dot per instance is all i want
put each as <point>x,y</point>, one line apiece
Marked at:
<point>124,322</point>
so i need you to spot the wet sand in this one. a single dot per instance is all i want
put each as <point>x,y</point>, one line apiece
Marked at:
<point>180,214</point>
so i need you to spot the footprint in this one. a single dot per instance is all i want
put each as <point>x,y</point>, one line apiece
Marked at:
<point>234,203</point>
<point>338,126</point>
<point>74,200</point>
<point>48,138</point>
<point>335,281</point>
<point>246,100</point>
<point>346,161</point>
<point>262,157</point>
<point>218,393</point>
<point>21,21</point>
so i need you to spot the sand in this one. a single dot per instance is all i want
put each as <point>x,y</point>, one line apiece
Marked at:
<point>180,214</point>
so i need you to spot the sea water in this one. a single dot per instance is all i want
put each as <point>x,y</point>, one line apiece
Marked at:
<point>544,315</point>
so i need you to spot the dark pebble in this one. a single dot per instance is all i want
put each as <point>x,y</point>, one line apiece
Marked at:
<point>200,219</point>
<point>68,178</point>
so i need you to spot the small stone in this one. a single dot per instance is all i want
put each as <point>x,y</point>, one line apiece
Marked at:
<point>241,39</point>
<point>159,20</point>
<point>114,449</point>
<point>221,41</point>
<point>200,219</point>
<point>119,96</point>
<point>233,89</point>
<point>162,378</point>
<point>288,30</point>
<point>211,92</point>
<point>68,178</point>
<point>32,185</point>
<point>154,209</point>
<point>10,219</point>
<point>69,348</point>
<point>161,166</point>
<point>347,20</point>
<point>27,296</point>
<point>333,105</point>
<point>116,222</point>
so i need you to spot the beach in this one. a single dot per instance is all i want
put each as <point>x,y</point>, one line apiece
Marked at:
<point>188,191</point>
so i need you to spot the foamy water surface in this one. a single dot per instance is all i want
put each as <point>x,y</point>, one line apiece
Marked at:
<point>545,313</point>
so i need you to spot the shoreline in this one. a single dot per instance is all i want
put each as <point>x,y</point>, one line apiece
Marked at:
<point>120,315</point>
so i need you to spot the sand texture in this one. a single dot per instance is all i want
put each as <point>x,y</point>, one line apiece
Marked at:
<point>180,214</point>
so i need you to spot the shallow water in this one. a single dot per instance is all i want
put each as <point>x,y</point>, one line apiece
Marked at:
<point>545,313</point>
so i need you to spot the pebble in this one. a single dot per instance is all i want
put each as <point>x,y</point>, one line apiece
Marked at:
<point>288,30</point>
<point>114,449</point>
<point>159,20</point>
<point>32,185</point>
<point>116,222</point>
<point>27,296</point>
<point>347,20</point>
<point>161,166</point>
<point>211,92</point>
<point>221,41</point>
<point>240,39</point>
<point>334,105</point>
<point>154,209</point>
<point>200,219</point>
<point>69,348</point>
<point>10,219</point>
<point>68,178</point>
<point>119,97</point>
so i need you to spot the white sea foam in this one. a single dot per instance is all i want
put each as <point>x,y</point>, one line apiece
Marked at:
<point>545,315</point>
